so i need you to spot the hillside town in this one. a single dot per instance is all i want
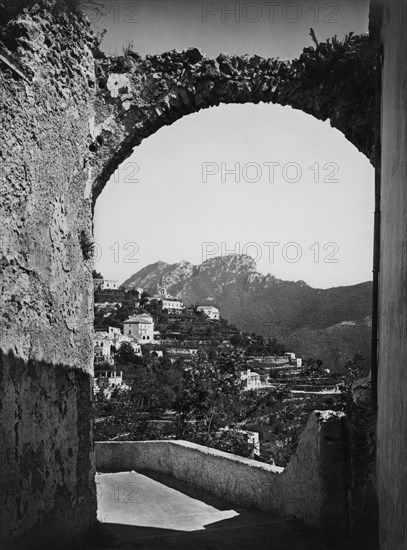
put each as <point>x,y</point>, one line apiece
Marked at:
<point>173,352</point>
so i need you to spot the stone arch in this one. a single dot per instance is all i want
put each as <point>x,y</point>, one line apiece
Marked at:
<point>137,96</point>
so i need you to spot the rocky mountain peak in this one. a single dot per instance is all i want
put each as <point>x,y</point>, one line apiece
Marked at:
<point>234,263</point>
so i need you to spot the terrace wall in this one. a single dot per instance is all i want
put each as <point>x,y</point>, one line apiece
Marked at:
<point>314,487</point>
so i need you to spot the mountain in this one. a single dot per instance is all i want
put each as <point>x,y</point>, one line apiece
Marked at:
<point>329,323</point>
<point>159,274</point>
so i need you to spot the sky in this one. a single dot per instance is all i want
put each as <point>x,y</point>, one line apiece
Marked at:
<point>265,180</point>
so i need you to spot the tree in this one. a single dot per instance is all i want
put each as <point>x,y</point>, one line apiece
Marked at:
<point>313,369</point>
<point>126,354</point>
<point>208,399</point>
<point>356,367</point>
<point>144,298</point>
<point>96,274</point>
<point>236,340</point>
<point>276,347</point>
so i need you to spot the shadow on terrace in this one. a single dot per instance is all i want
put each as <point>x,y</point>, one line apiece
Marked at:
<point>176,494</point>
<point>161,512</point>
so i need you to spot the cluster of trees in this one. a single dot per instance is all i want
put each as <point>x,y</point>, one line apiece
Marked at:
<point>313,368</point>
<point>206,403</point>
<point>200,400</point>
<point>153,386</point>
<point>258,345</point>
<point>204,397</point>
<point>209,399</point>
<point>117,313</point>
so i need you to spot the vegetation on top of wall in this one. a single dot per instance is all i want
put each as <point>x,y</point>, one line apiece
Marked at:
<point>336,78</point>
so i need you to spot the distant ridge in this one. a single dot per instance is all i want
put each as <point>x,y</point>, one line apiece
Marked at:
<point>333,323</point>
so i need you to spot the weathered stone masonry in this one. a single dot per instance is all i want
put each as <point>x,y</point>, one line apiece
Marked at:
<point>65,127</point>
<point>46,454</point>
<point>137,96</point>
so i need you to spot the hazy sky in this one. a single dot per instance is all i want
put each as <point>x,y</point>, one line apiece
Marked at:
<point>299,183</point>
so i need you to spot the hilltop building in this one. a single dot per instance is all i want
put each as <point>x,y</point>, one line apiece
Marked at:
<point>168,303</point>
<point>114,331</point>
<point>106,343</point>
<point>105,284</point>
<point>140,327</point>
<point>172,305</point>
<point>102,346</point>
<point>293,360</point>
<point>250,379</point>
<point>110,285</point>
<point>210,311</point>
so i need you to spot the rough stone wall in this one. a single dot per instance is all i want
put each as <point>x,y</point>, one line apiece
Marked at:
<point>46,454</point>
<point>313,487</point>
<point>392,379</point>
<point>137,96</point>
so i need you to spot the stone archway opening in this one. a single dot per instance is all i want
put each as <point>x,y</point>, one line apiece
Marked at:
<point>229,154</point>
<point>128,149</point>
<point>137,96</point>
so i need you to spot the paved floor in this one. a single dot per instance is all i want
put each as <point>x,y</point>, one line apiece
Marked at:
<point>130,498</point>
<point>154,512</point>
<point>149,511</point>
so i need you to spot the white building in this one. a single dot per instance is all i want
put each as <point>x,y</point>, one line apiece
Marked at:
<point>140,327</point>
<point>251,379</point>
<point>293,360</point>
<point>109,285</point>
<point>210,311</point>
<point>105,284</point>
<point>102,348</point>
<point>107,342</point>
<point>172,305</point>
<point>168,303</point>
<point>107,381</point>
<point>108,378</point>
<point>182,351</point>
